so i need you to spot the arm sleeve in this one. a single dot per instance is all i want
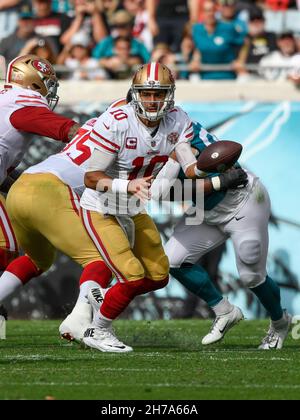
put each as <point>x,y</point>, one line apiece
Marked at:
<point>42,121</point>
<point>100,161</point>
<point>185,155</point>
<point>183,148</point>
<point>165,180</point>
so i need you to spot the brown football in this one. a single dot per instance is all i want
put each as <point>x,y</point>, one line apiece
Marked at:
<point>219,156</point>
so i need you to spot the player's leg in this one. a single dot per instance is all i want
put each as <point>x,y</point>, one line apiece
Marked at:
<point>8,242</point>
<point>8,252</point>
<point>112,243</point>
<point>44,207</point>
<point>249,233</point>
<point>39,252</point>
<point>149,250</point>
<point>185,247</point>
<point>57,218</point>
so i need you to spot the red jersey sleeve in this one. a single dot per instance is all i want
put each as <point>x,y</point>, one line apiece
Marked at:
<point>42,121</point>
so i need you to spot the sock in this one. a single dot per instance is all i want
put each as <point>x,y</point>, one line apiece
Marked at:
<point>101,321</point>
<point>94,274</point>
<point>223,307</point>
<point>98,272</point>
<point>9,283</point>
<point>197,281</point>
<point>281,323</point>
<point>268,294</point>
<point>84,290</point>
<point>18,273</point>
<point>120,295</point>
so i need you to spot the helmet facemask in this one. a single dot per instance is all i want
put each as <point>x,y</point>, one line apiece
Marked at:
<point>52,97</point>
<point>168,102</point>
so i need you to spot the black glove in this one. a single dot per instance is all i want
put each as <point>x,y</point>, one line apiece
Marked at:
<point>233,179</point>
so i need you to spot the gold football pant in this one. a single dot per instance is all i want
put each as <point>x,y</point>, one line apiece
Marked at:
<point>44,213</point>
<point>146,259</point>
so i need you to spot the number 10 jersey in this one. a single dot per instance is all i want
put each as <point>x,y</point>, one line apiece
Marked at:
<point>137,152</point>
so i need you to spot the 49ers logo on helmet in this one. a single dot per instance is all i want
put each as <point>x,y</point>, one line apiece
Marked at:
<point>41,66</point>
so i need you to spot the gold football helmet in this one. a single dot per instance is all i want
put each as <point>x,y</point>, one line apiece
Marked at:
<point>32,72</point>
<point>153,76</point>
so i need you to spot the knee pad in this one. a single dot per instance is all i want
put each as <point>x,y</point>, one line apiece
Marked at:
<point>176,253</point>
<point>252,280</point>
<point>132,269</point>
<point>160,268</point>
<point>250,252</point>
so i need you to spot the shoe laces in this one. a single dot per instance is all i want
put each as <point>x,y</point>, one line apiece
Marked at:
<point>214,325</point>
<point>110,334</point>
<point>270,335</point>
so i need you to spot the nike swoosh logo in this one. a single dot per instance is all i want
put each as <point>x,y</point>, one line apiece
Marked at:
<point>224,329</point>
<point>106,126</point>
<point>116,347</point>
<point>239,218</point>
<point>275,345</point>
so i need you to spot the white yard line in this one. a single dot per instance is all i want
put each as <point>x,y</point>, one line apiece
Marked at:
<point>162,385</point>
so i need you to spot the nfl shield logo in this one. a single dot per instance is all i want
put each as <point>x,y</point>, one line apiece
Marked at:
<point>153,143</point>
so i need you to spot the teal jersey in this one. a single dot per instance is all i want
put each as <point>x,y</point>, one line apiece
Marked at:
<point>202,138</point>
<point>219,47</point>
<point>105,49</point>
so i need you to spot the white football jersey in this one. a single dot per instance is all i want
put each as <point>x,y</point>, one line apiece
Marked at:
<point>14,143</point>
<point>71,163</point>
<point>138,151</point>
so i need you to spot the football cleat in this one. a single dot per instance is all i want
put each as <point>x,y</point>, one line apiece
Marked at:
<point>74,326</point>
<point>276,336</point>
<point>105,340</point>
<point>222,324</point>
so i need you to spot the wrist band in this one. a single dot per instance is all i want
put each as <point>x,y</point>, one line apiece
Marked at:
<point>120,186</point>
<point>216,183</point>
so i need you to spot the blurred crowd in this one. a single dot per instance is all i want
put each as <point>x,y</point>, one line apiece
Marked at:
<point>198,39</point>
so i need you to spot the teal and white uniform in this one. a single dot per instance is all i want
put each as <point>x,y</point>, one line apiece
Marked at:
<point>241,214</point>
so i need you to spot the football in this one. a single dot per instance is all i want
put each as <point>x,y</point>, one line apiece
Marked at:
<point>219,156</point>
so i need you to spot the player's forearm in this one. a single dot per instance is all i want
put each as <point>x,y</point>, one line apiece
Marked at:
<point>98,180</point>
<point>193,172</point>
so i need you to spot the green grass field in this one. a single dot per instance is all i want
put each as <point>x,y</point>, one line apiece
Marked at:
<point>168,363</point>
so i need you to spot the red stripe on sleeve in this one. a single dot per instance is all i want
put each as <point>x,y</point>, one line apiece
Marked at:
<point>30,96</point>
<point>106,140</point>
<point>31,101</point>
<point>190,126</point>
<point>107,148</point>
